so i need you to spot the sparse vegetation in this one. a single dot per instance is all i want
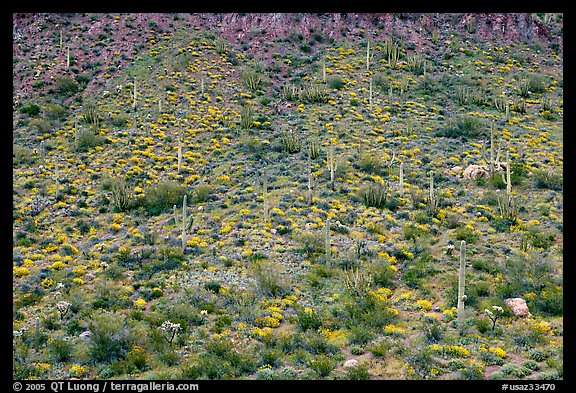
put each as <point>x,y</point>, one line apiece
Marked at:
<point>195,201</point>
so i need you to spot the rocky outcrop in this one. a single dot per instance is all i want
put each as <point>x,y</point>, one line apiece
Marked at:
<point>475,171</point>
<point>518,307</point>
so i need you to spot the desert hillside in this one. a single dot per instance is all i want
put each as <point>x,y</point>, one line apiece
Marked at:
<point>288,196</point>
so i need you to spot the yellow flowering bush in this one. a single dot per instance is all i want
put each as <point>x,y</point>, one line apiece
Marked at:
<point>542,327</point>
<point>449,350</point>
<point>58,265</point>
<point>47,283</point>
<point>140,303</point>
<point>20,271</point>
<point>77,371</point>
<point>423,305</point>
<point>393,330</point>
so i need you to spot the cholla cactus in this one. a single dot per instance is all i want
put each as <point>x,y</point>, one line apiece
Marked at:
<point>19,333</point>
<point>497,313</point>
<point>170,330</point>
<point>63,307</point>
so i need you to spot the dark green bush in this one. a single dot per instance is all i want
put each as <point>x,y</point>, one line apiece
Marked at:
<point>335,82</point>
<point>111,338</point>
<point>31,109</point>
<point>322,365</point>
<point>308,319</point>
<point>88,139</point>
<point>161,197</point>
<point>465,126</point>
<point>358,372</point>
<point>547,180</point>
<point>65,85</point>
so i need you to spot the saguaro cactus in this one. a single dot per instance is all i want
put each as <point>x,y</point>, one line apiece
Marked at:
<point>179,151</point>
<point>134,95</point>
<point>331,164</point>
<point>187,221</point>
<point>265,197</point>
<point>310,178</point>
<point>57,179</point>
<point>37,334</point>
<point>401,185</point>
<point>462,286</point>
<point>368,56</point>
<point>328,250</point>
<point>432,199</point>
<point>370,95</point>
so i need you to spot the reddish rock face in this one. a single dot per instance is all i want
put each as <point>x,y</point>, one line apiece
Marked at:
<point>518,306</point>
<point>125,34</point>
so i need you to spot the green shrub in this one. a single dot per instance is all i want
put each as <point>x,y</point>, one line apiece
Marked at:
<point>467,234</point>
<point>121,120</point>
<point>88,139</point>
<point>111,338</point>
<point>31,109</point>
<point>550,300</point>
<point>65,85</point>
<point>202,193</point>
<point>465,126</point>
<point>514,371</point>
<point>358,372</point>
<point>161,197</point>
<point>483,325</point>
<point>308,319</point>
<point>269,278</point>
<point>370,164</point>
<point>55,111</point>
<point>213,286</point>
<point>538,354</point>
<point>310,243</point>
<point>60,348</point>
<point>40,125</point>
<point>547,180</point>
<point>251,79</point>
<point>335,82</point>
<point>322,365</point>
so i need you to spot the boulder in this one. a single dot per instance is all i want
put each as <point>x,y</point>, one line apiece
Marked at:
<point>518,307</point>
<point>350,363</point>
<point>86,335</point>
<point>475,171</point>
<point>454,171</point>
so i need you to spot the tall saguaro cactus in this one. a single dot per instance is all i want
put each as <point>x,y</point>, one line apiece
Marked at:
<point>187,221</point>
<point>57,179</point>
<point>331,164</point>
<point>370,95</point>
<point>368,56</point>
<point>432,199</point>
<point>401,180</point>
<point>310,178</point>
<point>134,95</point>
<point>265,198</point>
<point>462,286</point>
<point>328,250</point>
<point>179,151</point>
